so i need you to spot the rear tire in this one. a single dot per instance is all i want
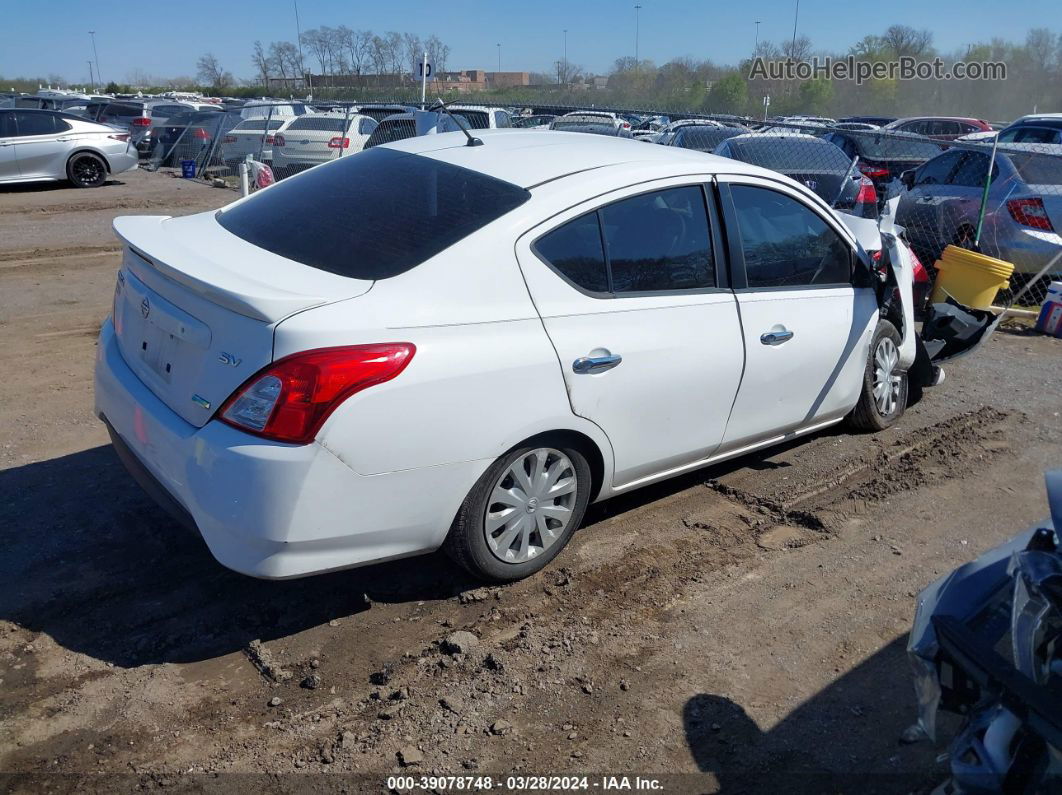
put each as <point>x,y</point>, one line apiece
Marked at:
<point>521,512</point>
<point>86,170</point>
<point>884,395</point>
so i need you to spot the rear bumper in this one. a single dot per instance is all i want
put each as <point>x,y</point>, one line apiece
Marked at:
<point>271,510</point>
<point>123,161</point>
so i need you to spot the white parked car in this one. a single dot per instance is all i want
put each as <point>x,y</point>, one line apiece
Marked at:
<point>47,146</point>
<point>482,117</point>
<point>252,137</point>
<point>319,137</point>
<point>439,344</point>
<point>271,110</point>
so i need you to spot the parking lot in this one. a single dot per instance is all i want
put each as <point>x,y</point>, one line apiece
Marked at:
<point>745,620</point>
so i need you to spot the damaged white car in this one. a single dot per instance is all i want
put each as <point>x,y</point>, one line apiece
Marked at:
<point>461,343</point>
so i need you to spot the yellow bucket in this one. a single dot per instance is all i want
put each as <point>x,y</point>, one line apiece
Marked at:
<point>970,278</point>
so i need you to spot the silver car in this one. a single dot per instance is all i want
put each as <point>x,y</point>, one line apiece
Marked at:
<point>46,146</point>
<point>1023,216</point>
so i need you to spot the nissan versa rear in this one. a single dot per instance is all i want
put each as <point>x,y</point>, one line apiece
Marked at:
<point>434,344</point>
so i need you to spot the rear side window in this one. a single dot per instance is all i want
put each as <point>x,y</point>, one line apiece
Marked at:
<point>575,251</point>
<point>659,241</point>
<point>373,215</point>
<point>652,242</point>
<point>366,126</point>
<point>501,119</point>
<point>972,170</point>
<point>38,124</point>
<point>786,244</point>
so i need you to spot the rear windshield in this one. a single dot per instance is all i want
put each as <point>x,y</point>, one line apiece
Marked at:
<point>786,154</point>
<point>258,125</point>
<point>319,123</point>
<point>372,215</point>
<point>704,138</point>
<point>893,147</point>
<point>1038,169</point>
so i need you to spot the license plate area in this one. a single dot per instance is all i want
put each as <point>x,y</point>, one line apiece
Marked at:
<point>159,350</point>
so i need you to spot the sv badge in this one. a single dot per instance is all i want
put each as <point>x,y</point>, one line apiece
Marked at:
<point>229,359</point>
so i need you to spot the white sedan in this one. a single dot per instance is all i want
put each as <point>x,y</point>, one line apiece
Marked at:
<point>48,146</point>
<point>437,344</point>
<point>316,138</point>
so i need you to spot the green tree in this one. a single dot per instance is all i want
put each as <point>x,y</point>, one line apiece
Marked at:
<point>815,95</point>
<point>728,95</point>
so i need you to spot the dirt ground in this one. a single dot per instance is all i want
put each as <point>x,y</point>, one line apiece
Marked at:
<point>740,629</point>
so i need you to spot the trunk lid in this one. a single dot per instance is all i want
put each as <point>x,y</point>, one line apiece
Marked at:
<point>195,307</point>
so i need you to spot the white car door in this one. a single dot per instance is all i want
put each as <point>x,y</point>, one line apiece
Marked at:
<point>806,326</point>
<point>43,142</point>
<point>8,162</point>
<point>633,295</point>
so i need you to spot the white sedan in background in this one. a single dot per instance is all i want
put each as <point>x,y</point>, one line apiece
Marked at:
<point>309,140</point>
<point>435,344</point>
<point>48,146</point>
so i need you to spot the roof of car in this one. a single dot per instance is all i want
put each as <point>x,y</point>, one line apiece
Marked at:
<point>532,157</point>
<point>969,119</point>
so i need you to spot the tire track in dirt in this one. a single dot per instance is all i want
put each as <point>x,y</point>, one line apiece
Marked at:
<point>549,644</point>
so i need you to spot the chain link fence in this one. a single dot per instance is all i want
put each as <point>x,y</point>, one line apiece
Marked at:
<point>939,184</point>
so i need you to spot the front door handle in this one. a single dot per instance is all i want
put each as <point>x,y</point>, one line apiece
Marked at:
<point>595,364</point>
<point>776,337</point>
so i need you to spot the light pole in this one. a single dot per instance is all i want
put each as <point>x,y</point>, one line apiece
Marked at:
<point>298,33</point>
<point>757,34</point>
<point>92,82</point>
<point>499,56</point>
<point>796,16</point>
<point>96,55</point>
<point>636,31</point>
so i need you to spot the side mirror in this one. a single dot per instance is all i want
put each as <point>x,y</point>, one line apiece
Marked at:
<point>908,178</point>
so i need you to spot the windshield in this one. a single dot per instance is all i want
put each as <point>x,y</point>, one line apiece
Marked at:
<point>373,215</point>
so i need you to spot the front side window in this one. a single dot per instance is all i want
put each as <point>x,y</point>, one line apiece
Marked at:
<point>653,242</point>
<point>366,126</point>
<point>785,243</point>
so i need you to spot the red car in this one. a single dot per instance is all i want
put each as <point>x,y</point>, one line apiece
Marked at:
<point>941,128</point>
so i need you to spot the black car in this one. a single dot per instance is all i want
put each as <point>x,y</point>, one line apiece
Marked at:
<point>189,136</point>
<point>883,156</point>
<point>704,138</point>
<point>813,162</point>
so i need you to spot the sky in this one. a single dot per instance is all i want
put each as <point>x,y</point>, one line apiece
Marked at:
<point>42,37</point>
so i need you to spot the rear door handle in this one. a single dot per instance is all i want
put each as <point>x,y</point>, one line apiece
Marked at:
<point>776,337</point>
<point>595,364</point>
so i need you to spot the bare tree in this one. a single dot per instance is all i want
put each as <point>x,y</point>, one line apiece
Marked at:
<point>378,55</point>
<point>414,49</point>
<point>210,72</point>
<point>904,40</point>
<point>262,63</point>
<point>438,53</point>
<point>393,51</point>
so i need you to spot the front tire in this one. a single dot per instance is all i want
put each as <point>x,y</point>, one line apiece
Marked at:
<point>86,170</point>
<point>521,512</point>
<point>885,387</point>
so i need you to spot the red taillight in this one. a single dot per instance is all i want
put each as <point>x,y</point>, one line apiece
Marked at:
<point>921,275</point>
<point>141,121</point>
<point>874,172</point>
<point>229,139</point>
<point>290,399</point>
<point>201,134</point>
<point>270,138</point>
<point>1031,213</point>
<point>277,140</point>
<point>119,136</point>
<point>867,193</point>
<point>339,143</point>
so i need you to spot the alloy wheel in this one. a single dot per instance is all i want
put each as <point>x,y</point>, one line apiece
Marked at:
<point>887,380</point>
<point>87,170</point>
<point>530,506</point>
